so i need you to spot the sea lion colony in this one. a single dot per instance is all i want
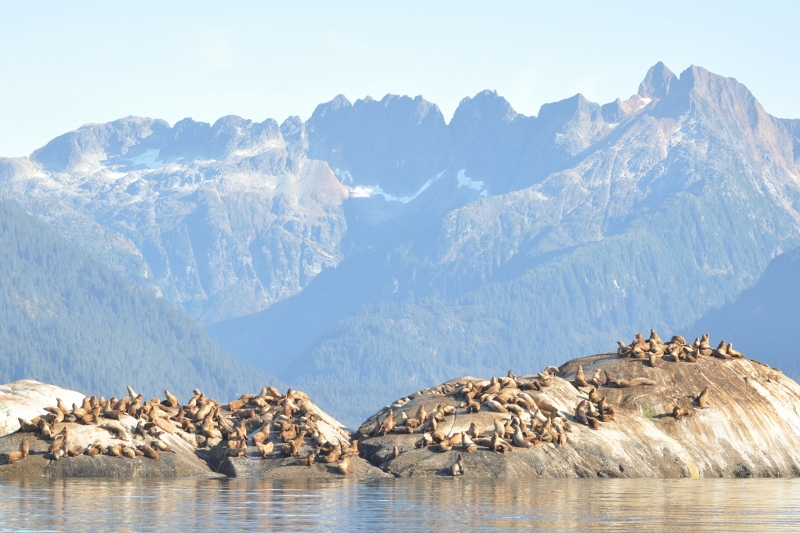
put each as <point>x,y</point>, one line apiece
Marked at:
<point>263,421</point>
<point>532,420</point>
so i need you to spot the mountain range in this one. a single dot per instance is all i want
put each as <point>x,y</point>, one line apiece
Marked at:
<point>377,249</point>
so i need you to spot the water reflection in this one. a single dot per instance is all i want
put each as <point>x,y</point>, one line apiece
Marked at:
<point>399,505</point>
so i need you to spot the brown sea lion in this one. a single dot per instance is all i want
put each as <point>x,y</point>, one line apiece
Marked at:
<point>679,412</point>
<point>149,452</point>
<point>344,465</point>
<point>265,449</point>
<point>580,378</point>
<point>702,399</point>
<point>20,454</point>
<point>580,413</point>
<point>27,425</point>
<point>594,397</point>
<point>308,460</point>
<point>172,400</point>
<point>733,353</point>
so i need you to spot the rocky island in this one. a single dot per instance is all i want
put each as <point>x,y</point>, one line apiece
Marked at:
<point>650,409</point>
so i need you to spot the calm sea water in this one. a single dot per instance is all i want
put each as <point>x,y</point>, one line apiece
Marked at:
<point>400,505</point>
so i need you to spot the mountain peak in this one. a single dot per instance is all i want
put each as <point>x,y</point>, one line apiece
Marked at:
<point>486,105</point>
<point>657,82</point>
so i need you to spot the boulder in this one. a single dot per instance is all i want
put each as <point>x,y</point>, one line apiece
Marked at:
<point>749,425</point>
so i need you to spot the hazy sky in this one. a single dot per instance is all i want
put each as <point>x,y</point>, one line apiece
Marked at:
<point>65,64</point>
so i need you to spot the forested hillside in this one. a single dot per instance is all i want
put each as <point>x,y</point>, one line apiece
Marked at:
<point>67,320</point>
<point>762,320</point>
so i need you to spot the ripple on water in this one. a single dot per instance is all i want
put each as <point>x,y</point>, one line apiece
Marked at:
<point>400,505</point>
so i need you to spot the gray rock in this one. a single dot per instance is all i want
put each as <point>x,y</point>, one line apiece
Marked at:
<point>749,428</point>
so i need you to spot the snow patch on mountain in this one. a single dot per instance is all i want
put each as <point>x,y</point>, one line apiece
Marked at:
<point>148,159</point>
<point>368,191</point>
<point>469,183</point>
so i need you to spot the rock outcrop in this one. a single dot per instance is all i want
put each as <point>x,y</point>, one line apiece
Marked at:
<point>27,399</point>
<point>271,435</point>
<point>608,415</point>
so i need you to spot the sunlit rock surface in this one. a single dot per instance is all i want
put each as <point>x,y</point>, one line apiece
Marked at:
<point>27,399</point>
<point>133,437</point>
<point>750,426</point>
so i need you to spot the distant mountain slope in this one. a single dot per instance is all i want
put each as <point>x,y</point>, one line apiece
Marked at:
<point>68,320</point>
<point>223,219</point>
<point>646,222</point>
<point>379,249</point>
<point>762,320</point>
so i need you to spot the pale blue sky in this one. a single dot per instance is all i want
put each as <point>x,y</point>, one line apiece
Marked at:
<point>65,64</point>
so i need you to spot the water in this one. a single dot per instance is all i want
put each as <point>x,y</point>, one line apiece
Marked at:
<point>400,505</point>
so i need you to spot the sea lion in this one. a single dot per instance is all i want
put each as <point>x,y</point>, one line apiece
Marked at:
<point>443,446</point>
<point>172,400</point>
<point>580,378</point>
<point>161,446</point>
<point>75,451</point>
<point>653,360</point>
<point>562,436</point>
<point>20,454</point>
<point>597,378</point>
<point>149,452</point>
<point>654,336</point>
<point>495,406</point>
<point>702,399</point>
<point>733,353</point>
<point>679,412</point>
<point>468,444</point>
<point>386,426</point>
<point>265,449</point>
<point>625,383</point>
<point>458,467</point>
<point>624,350</point>
<point>344,465</point>
<point>58,441</point>
<point>593,423</point>
<point>655,348</point>
<point>128,452</point>
<point>580,413</point>
<point>593,397</point>
<point>499,445</point>
<point>114,451</point>
<point>331,457</point>
<point>308,460</point>
<point>519,440</point>
<point>27,425</point>
<point>678,339</point>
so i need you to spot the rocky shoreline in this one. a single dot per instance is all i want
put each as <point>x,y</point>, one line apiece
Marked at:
<point>651,409</point>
